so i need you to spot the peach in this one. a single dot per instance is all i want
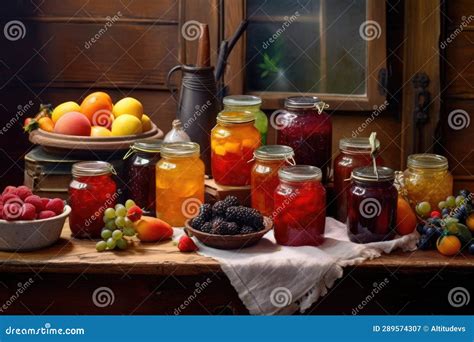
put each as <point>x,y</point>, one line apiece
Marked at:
<point>73,123</point>
<point>152,229</point>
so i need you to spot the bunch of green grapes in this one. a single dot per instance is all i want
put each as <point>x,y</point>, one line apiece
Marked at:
<point>117,227</point>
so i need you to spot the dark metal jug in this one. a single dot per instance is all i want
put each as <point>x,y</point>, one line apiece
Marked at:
<point>198,105</point>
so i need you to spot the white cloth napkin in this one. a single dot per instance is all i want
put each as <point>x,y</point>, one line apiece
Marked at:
<point>273,279</point>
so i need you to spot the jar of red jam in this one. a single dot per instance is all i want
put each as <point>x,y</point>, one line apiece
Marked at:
<point>141,187</point>
<point>300,206</point>
<point>353,153</point>
<point>372,205</point>
<point>307,128</point>
<point>91,191</point>
<point>264,180</point>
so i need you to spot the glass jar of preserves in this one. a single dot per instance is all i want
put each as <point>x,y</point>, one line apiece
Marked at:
<point>233,141</point>
<point>300,206</point>
<point>264,180</point>
<point>91,191</point>
<point>141,187</point>
<point>427,179</point>
<point>249,103</point>
<point>307,128</point>
<point>372,205</point>
<point>353,153</point>
<point>179,182</point>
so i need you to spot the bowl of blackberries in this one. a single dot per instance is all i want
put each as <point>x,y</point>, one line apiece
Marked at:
<point>228,225</point>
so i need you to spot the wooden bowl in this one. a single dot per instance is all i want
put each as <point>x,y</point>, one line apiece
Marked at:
<point>229,241</point>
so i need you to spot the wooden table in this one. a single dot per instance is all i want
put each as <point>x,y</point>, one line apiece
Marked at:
<point>158,279</point>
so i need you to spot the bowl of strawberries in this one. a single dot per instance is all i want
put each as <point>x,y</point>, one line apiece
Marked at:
<point>29,222</point>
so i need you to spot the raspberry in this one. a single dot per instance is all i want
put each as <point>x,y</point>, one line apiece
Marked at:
<point>46,214</point>
<point>28,212</point>
<point>1,211</point>
<point>7,197</point>
<point>45,201</point>
<point>9,190</point>
<point>36,201</point>
<point>55,205</point>
<point>23,192</point>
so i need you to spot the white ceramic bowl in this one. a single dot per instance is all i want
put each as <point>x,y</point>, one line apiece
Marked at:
<point>23,236</point>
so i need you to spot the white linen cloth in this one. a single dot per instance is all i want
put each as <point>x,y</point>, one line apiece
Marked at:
<point>273,279</point>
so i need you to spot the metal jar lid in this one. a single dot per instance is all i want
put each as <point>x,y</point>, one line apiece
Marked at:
<point>274,152</point>
<point>180,149</point>
<point>235,117</point>
<point>300,173</point>
<point>242,100</point>
<point>427,161</point>
<point>300,102</point>
<point>92,168</point>
<point>354,144</point>
<point>148,145</point>
<point>367,174</point>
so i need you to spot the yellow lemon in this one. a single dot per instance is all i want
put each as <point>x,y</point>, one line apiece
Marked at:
<point>128,105</point>
<point>99,131</point>
<point>64,108</point>
<point>126,124</point>
<point>146,123</point>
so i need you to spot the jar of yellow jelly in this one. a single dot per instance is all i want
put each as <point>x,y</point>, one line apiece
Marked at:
<point>233,142</point>
<point>427,179</point>
<point>179,182</point>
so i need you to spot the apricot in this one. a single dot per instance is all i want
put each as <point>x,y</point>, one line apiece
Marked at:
<point>73,123</point>
<point>152,229</point>
<point>95,105</point>
<point>406,218</point>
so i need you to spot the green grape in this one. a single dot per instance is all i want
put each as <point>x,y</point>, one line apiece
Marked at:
<point>120,222</point>
<point>117,234</point>
<point>122,244</point>
<point>109,213</point>
<point>105,219</point>
<point>128,223</point>
<point>105,234</point>
<point>101,246</point>
<point>110,224</point>
<point>442,205</point>
<point>111,243</point>
<point>128,231</point>
<point>459,200</point>
<point>120,210</point>
<point>129,203</point>
<point>451,202</point>
<point>423,209</point>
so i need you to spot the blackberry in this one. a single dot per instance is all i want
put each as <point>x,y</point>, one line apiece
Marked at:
<point>197,222</point>
<point>245,216</point>
<point>216,225</point>
<point>206,211</point>
<point>231,201</point>
<point>229,228</point>
<point>219,208</point>
<point>247,230</point>
<point>206,227</point>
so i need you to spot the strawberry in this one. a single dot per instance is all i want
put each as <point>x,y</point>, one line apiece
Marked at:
<point>28,212</point>
<point>23,192</point>
<point>186,244</point>
<point>46,214</point>
<point>134,213</point>
<point>55,205</point>
<point>36,201</point>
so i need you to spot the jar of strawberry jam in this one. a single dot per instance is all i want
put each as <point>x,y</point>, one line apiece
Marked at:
<point>300,206</point>
<point>307,128</point>
<point>233,142</point>
<point>353,153</point>
<point>264,180</point>
<point>91,192</point>
<point>372,205</point>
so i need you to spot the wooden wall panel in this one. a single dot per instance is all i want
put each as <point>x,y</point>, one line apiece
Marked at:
<point>459,66</point>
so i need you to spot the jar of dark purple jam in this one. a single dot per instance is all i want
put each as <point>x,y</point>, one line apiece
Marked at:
<point>372,205</point>
<point>144,154</point>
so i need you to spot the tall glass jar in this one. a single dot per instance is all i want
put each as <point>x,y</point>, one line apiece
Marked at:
<point>307,128</point>
<point>372,205</point>
<point>427,179</point>
<point>141,187</point>
<point>300,206</point>
<point>353,153</point>
<point>264,180</point>
<point>91,191</point>
<point>233,142</point>
<point>179,182</point>
<point>252,104</point>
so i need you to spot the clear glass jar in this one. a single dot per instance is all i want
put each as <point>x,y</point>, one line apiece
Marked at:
<point>91,191</point>
<point>372,205</point>
<point>427,179</point>
<point>233,142</point>
<point>353,153</point>
<point>179,182</point>
<point>141,186</point>
<point>252,104</point>
<point>307,128</point>
<point>300,206</point>
<point>264,180</point>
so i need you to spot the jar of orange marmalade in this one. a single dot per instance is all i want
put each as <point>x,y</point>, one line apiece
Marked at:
<point>264,179</point>
<point>179,182</point>
<point>233,142</point>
